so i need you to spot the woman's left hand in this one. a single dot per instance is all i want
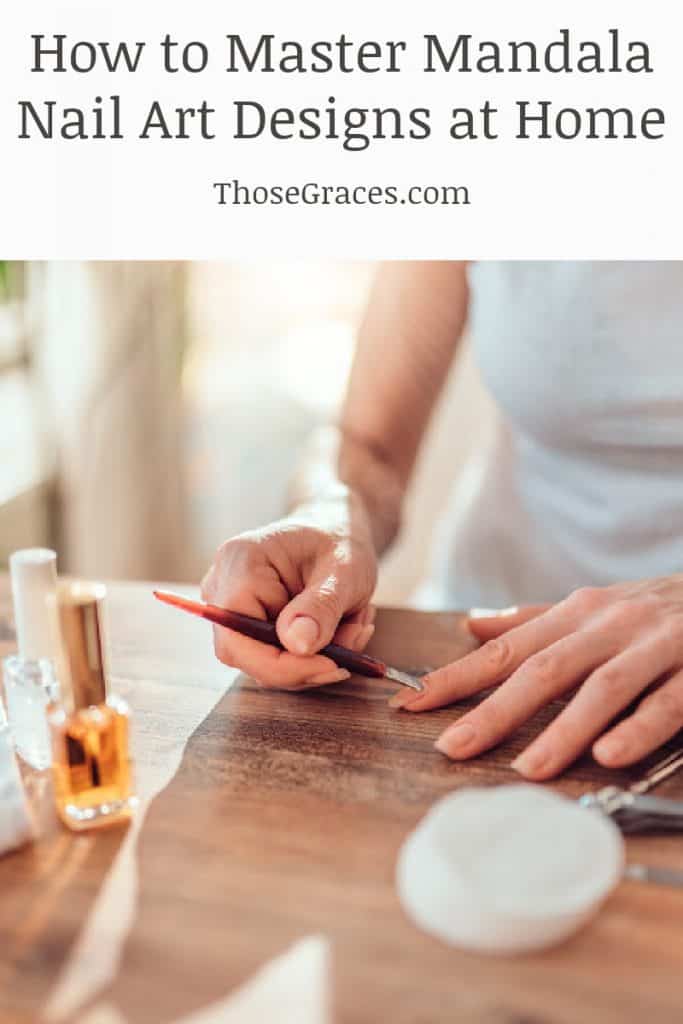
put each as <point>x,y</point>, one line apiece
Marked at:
<point>617,644</point>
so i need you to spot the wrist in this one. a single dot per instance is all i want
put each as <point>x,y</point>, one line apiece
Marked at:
<point>337,508</point>
<point>350,478</point>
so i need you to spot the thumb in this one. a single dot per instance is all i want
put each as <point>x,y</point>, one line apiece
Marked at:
<point>486,623</point>
<point>310,620</point>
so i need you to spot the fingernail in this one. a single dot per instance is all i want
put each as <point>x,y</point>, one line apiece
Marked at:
<point>369,615</point>
<point>302,635</point>
<point>364,636</point>
<point>609,748</point>
<point>456,739</point>
<point>353,635</point>
<point>492,613</point>
<point>335,675</point>
<point>403,697</point>
<point>357,636</point>
<point>531,761</point>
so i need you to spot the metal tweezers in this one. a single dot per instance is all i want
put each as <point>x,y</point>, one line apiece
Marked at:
<point>632,810</point>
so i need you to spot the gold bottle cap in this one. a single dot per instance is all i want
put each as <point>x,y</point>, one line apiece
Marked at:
<point>80,607</point>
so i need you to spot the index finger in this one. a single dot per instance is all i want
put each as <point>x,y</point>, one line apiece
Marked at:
<point>491,663</point>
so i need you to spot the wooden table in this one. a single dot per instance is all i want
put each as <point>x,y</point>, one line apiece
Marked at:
<point>284,821</point>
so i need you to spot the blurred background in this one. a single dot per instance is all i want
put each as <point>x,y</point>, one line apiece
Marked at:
<point>150,410</point>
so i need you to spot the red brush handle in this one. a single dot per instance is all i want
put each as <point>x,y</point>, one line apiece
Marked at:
<point>266,633</point>
<point>354,661</point>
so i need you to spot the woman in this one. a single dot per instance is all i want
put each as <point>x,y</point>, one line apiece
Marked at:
<point>575,514</point>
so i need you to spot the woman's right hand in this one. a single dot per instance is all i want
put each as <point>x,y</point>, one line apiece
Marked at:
<point>313,573</point>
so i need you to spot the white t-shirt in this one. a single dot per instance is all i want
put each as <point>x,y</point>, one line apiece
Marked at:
<point>583,482</point>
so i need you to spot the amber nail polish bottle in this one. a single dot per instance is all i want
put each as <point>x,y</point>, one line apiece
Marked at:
<point>89,729</point>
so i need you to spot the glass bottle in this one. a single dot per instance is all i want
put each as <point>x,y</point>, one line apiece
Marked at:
<point>29,676</point>
<point>16,819</point>
<point>91,765</point>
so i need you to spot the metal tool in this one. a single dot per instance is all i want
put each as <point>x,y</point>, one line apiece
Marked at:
<point>662,770</point>
<point>633,810</point>
<point>655,875</point>
<point>266,633</point>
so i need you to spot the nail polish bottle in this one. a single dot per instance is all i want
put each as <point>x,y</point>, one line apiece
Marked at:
<point>29,677</point>
<point>91,763</point>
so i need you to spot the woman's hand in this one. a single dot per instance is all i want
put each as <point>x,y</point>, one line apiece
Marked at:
<point>314,573</point>
<point>618,645</point>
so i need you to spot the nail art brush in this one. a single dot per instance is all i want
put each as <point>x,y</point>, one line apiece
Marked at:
<point>266,633</point>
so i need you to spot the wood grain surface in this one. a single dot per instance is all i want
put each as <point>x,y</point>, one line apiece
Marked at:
<point>284,821</point>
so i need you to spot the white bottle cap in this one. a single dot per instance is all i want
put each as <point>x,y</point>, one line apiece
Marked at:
<point>34,583</point>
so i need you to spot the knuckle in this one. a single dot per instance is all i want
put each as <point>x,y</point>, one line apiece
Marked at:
<point>442,680</point>
<point>313,542</point>
<point>650,603</point>
<point>668,701</point>
<point>499,654</point>
<point>671,634</point>
<point>635,612</point>
<point>225,550</point>
<point>610,680</point>
<point>545,667</point>
<point>625,613</point>
<point>587,600</point>
<point>235,576</point>
<point>234,553</point>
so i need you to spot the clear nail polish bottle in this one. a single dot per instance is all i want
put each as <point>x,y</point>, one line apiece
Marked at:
<point>29,676</point>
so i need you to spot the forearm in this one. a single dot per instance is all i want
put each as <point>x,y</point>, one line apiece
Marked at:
<point>413,323</point>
